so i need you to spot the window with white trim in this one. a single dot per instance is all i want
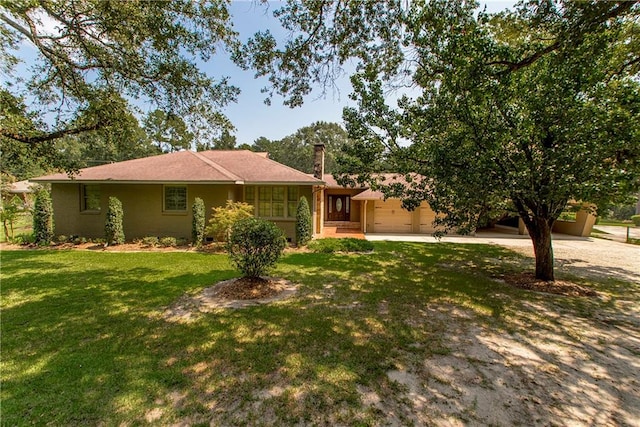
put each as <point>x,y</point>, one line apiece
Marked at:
<point>175,198</point>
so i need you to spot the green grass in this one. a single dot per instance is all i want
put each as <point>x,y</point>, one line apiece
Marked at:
<point>84,341</point>
<point>614,222</point>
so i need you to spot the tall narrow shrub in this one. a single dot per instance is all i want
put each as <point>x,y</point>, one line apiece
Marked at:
<point>198,222</point>
<point>113,228</point>
<point>304,226</point>
<point>43,218</point>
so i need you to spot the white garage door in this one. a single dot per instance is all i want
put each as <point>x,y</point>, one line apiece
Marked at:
<point>426,219</point>
<point>391,218</point>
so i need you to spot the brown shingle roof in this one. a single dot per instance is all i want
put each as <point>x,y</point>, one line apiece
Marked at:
<point>238,166</point>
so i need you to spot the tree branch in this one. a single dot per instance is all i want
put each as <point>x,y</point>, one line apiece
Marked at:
<point>581,29</point>
<point>49,136</point>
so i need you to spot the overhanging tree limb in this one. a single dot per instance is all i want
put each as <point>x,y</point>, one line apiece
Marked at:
<point>44,137</point>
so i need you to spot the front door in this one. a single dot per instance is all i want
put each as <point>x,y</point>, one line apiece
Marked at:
<point>338,208</point>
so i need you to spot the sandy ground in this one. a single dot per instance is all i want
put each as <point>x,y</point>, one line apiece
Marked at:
<point>557,369</point>
<point>572,372</point>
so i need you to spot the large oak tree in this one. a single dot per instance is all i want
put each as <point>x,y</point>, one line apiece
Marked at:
<point>531,108</point>
<point>83,54</point>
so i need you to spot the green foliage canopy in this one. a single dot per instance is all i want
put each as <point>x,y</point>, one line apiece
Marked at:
<point>296,150</point>
<point>91,54</point>
<point>527,109</point>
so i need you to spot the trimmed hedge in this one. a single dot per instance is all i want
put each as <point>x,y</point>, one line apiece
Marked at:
<point>113,228</point>
<point>42,218</point>
<point>198,222</point>
<point>332,245</point>
<point>636,220</point>
<point>304,225</point>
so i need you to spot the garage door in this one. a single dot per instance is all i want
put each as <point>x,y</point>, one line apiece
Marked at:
<point>391,218</point>
<point>426,219</point>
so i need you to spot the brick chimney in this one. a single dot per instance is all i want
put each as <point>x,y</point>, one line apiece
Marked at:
<point>318,160</point>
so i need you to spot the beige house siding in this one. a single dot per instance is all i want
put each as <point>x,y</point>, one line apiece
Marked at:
<point>143,209</point>
<point>582,226</point>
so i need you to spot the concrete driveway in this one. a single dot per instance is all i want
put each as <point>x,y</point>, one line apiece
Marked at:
<point>582,256</point>
<point>618,234</point>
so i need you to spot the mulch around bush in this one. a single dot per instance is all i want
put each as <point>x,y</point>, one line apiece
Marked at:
<point>250,288</point>
<point>529,282</point>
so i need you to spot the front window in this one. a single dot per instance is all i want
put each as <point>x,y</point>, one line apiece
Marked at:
<point>264,201</point>
<point>292,201</point>
<point>273,201</point>
<point>175,198</point>
<point>91,197</point>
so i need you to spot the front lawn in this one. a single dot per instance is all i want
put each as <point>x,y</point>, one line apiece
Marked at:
<point>85,341</point>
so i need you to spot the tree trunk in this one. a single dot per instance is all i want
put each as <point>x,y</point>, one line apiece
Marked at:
<point>540,232</point>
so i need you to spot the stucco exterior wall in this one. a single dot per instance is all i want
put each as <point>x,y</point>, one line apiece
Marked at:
<point>143,209</point>
<point>582,226</point>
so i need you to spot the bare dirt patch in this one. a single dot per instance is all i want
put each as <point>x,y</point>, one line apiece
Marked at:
<point>568,371</point>
<point>529,282</point>
<point>234,293</point>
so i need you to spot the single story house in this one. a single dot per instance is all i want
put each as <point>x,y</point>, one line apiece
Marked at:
<point>157,194</point>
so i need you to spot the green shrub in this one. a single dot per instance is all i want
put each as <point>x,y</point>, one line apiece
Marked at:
<point>304,226</point>
<point>43,218</point>
<point>255,245</point>
<point>168,242</point>
<point>113,228</point>
<point>150,241</point>
<point>24,239</point>
<point>198,222</point>
<point>223,218</point>
<point>636,220</point>
<point>9,215</point>
<point>62,238</point>
<point>332,245</point>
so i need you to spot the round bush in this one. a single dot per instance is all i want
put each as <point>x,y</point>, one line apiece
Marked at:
<point>255,245</point>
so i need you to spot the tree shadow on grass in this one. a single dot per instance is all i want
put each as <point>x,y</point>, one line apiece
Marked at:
<point>78,342</point>
<point>410,333</point>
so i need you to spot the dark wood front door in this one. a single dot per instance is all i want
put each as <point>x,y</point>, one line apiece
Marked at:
<point>338,208</point>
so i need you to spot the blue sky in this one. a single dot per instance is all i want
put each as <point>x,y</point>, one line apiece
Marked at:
<point>251,117</point>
